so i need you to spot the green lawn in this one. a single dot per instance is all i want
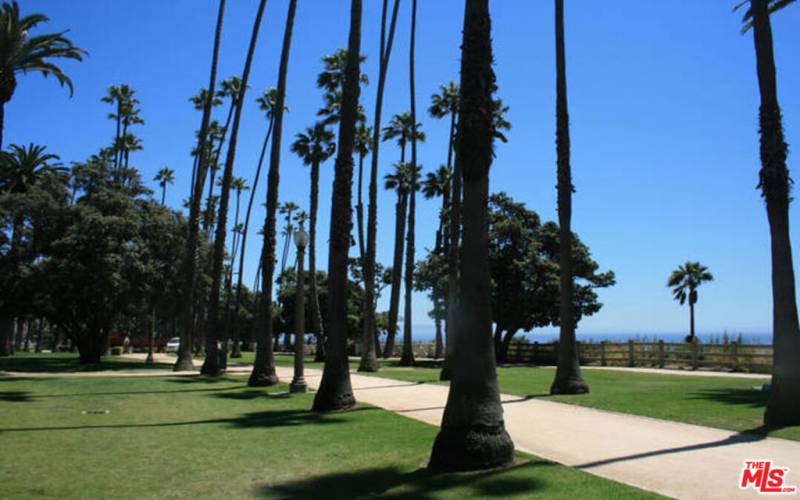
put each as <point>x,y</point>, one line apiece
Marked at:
<point>190,437</point>
<point>67,362</point>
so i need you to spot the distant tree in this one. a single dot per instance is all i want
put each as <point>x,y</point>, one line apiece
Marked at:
<point>22,53</point>
<point>684,281</point>
<point>330,80</point>
<point>164,177</point>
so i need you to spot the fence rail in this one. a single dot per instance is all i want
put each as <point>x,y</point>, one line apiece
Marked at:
<point>732,356</point>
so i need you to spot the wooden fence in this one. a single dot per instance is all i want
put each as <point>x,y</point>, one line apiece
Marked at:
<point>732,356</point>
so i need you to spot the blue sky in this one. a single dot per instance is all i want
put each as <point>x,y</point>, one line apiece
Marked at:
<point>663,108</point>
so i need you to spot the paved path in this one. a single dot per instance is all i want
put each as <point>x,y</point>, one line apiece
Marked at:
<point>674,459</point>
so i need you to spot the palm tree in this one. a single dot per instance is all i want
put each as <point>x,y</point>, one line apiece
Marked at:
<point>473,434</point>
<point>407,358</point>
<point>22,53</point>
<point>401,127</point>
<point>369,262</point>
<point>330,80</point>
<point>286,209</point>
<point>568,379</point>
<point>119,97</point>
<point>21,168</point>
<point>200,99</point>
<point>684,282</point>
<point>335,391</point>
<point>263,373</point>
<point>184,361</point>
<point>437,184</point>
<point>442,105</point>
<point>362,147</point>
<point>211,366</point>
<point>128,143</point>
<point>164,176</point>
<point>314,147</point>
<point>397,181</point>
<point>266,103</point>
<point>783,406</point>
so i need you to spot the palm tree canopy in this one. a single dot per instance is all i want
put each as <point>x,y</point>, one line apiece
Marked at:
<point>685,280</point>
<point>315,145</point>
<point>268,101</point>
<point>165,176</point>
<point>445,102</point>
<point>772,6</point>
<point>499,122</point>
<point>20,52</point>
<point>239,184</point>
<point>400,127</point>
<point>402,178</point>
<point>21,167</point>
<point>200,99</point>
<point>230,88</point>
<point>436,183</point>
<point>332,76</point>
<point>363,143</point>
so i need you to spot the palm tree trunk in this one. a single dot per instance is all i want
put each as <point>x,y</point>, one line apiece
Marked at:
<point>237,350</point>
<point>316,314</point>
<point>163,193</point>
<point>372,216</point>
<point>117,142</point>
<point>2,121</point>
<point>184,361</point>
<point>386,44</point>
<point>150,338</point>
<point>263,373</point>
<point>211,364</point>
<point>335,391</point>
<point>783,406</point>
<point>407,359</point>
<point>473,434</point>
<point>568,378</point>
<point>691,322</point>
<point>397,273</point>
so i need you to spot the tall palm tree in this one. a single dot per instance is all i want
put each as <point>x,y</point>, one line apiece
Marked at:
<point>184,361</point>
<point>211,366</point>
<point>437,184</point>
<point>369,261</point>
<point>22,53</point>
<point>20,169</point>
<point>128,143</point>
<point>314,147</point>
<point>401,128</point>
<point>407,358</point>
<point>263,373</point>
<point>238,185</point>
<point>199,101</point>
<point>164,177</point>
<point>286,209</point>
<point>362,147</point>
<point>473,434</point>
<point>335,391</point>
<point>568,379</point>
<point>331,80</point>
<point>120,97</point>
<point>444,104</point>
<point>684,282</point>
<point>783,406</point>
<point>399,182</point>
<point>266,103</point>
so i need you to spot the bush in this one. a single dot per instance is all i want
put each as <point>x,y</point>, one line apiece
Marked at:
<point>116,351</point>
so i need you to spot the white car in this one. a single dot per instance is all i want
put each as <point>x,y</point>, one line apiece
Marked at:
<point>173,344</point>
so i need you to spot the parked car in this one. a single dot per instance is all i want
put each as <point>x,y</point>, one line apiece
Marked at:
<point>173,344</point>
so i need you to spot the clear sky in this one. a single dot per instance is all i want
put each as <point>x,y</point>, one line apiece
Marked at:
<point>663,108</point>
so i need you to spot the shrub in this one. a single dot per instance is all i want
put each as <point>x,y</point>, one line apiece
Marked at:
<point>116,351</point>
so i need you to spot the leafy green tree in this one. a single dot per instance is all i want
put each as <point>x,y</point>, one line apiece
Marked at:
<point>264,367</point>
<point>335,391</point>
<point>164,177</point>
<point>783,407</point>
<point>473,434</point>
<point>22,53</point>
<point>568,379</point>
<point>684,282</point>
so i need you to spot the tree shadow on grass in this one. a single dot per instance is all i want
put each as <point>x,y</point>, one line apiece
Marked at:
<point>67,364</point>
<point>734,396</point>
<point>419,484</point>
<point>274,418</point>
<point>15,396</point>
<point>252,394</point>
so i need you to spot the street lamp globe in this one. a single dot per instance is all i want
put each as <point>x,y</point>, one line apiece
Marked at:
<point>300,238</point>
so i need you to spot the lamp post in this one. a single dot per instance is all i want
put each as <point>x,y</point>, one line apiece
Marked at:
<point>298,381</point>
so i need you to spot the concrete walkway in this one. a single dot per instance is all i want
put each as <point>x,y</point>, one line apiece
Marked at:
<point>674,459</point>
<point>670,458</point>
